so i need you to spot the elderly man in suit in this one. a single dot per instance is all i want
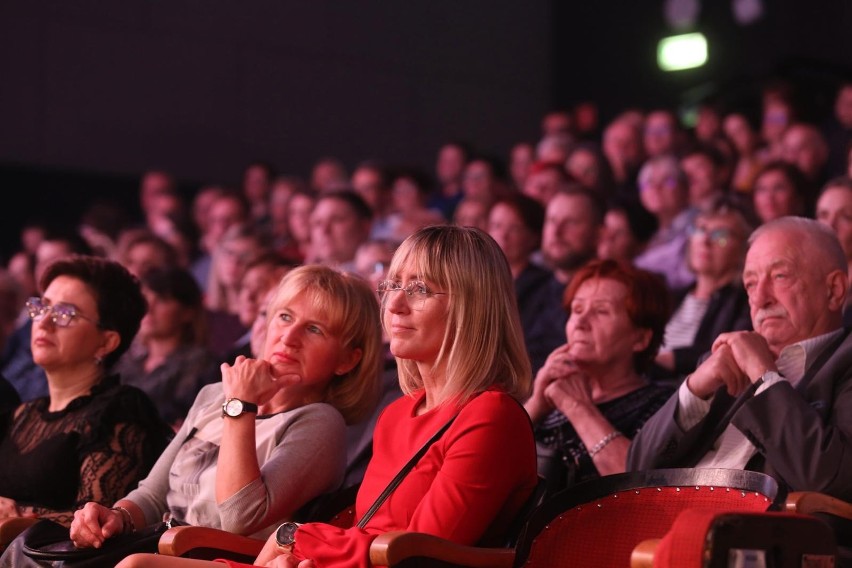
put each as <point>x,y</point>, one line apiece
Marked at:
<point>778,399</point>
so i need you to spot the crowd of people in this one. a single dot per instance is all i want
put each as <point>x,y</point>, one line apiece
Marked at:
<point>646,294</point>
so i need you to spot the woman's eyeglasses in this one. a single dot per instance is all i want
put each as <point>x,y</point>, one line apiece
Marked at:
<point>416,292</point>
<point>720,237</point>
<point>61,314</point>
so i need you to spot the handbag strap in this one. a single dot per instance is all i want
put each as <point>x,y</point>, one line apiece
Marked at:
<point>403,472</point>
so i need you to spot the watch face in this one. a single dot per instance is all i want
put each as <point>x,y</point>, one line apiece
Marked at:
<point>234,407</point>
<point>286,534</point>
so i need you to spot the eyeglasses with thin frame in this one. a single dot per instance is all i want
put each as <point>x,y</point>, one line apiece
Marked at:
<point>416,292</point>
<point>720,236</point>
<point>61,314</point>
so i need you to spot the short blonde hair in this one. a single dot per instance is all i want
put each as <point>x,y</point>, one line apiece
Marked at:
<point>483,343</point>
<point>353,316</point>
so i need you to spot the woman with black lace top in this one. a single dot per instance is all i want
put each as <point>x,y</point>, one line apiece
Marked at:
<point>592,395</point>
<point>91,439</point>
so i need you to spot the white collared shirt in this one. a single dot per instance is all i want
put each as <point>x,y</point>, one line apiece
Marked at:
<point>732,449</point>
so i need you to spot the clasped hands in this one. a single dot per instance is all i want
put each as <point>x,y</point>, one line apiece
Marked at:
<point>559,384</point>
<point>737,360</point>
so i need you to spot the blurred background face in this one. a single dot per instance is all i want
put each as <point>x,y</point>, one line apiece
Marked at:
<point>661,193</point>
<point>256,282</point>
<point>224,213</point>
<point>165,318</point>
<point>701,177</point>
<point>144,256</point>
<point>450,164</point>
<point>235,254</point>
<point>336,231</point>
<point>507,227</point>
<point>367,182</point>
<point>570,233</point>
<point>617,240</point>
<point>583,165</point>
<point>716,246</point>
<point>471,213</point>
<point>659,134</point>
<point>740,133</point>
<point>520,160</point>
<point>834,209</point>
<point>406,195</point>
<point>622,145</point>
<point>256,183</point>
<point>372,261</point>
<point>774,196</point>
<point>299,209</point>
<point>776,119</point>
<point>478,180</point>
<point>542,185</point>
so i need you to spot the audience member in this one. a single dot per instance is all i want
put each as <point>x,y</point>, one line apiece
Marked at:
<point>521,159</point>
<point>238,247</point>
<point>299,208</point>
<point>545,179</point>
<point>706,174</point>
<point>472,212</point>
<point>804,146</point>
<point>261,444</point>
<point>587,164</point>
<point>411,209</point>
<point>717,302</point>
<point>18,365</point>
<point>663,192</point>
<point>329,175</point>
<point>449,168</point>
<point>834,208</point>
<point>261,274</point>
<point>746,142</point>
<point>90,438</point>
<point>12,300</point>
<point>372,181</point>
<point>140,250</point>
<point>226,210</point>
<point>257,183</point>
<point>662,134</point>
<point>779,191</point>
<point>516,223</point>
<point>627,228</point>
<point>169,359</point>
<point>573,224</point>
<point>838,130</point>
<point>592,396</point>
<point>623,148</point>
<point>340,221</point>
<point>775,399</point>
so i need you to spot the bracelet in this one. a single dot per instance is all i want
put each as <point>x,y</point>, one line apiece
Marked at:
<point>127,519</point>
<point>604,442</point>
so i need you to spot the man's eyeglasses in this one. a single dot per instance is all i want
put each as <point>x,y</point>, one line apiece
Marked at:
<point>720,237</point>
<point>61,314</point>
<point>416,292</point>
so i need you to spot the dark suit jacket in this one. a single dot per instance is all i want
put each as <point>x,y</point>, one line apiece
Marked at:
<point>803,435</point>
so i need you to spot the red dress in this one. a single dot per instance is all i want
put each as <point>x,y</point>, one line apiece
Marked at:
<point>467,488</point>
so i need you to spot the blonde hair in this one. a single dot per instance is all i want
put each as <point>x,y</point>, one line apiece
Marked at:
<point>353,316</point>
<point>483,343</point>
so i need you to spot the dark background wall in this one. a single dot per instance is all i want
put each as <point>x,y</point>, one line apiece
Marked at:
<point>93,92</point>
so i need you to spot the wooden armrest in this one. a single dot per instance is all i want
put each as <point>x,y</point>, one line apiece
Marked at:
<point>643,553</point>
<point>810,502</point>
<point>391,548</point>
<point>12,527</point>
<point>177,541</point>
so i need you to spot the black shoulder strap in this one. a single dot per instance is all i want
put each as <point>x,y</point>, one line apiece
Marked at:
<point>403,472</point>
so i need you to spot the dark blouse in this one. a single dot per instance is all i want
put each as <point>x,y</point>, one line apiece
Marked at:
<point>96,449</point>
<point>564,459</point>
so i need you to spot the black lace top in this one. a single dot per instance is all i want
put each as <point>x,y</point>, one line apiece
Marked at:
<point>563,458</point>
<point>96,449</point>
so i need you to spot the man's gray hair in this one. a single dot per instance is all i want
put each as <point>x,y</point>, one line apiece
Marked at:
<point>820,237</point>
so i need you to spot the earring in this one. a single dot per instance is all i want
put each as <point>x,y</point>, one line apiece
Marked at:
<point>99,360</point>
